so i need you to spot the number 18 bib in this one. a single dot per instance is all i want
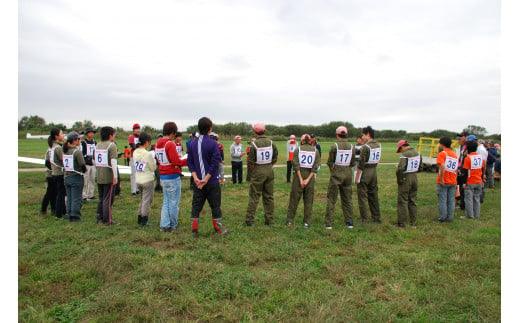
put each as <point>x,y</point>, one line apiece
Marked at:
<point>413,164</point>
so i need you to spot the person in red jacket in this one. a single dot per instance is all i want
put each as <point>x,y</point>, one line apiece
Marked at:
<point>170,173</point>
<point>133,140</point>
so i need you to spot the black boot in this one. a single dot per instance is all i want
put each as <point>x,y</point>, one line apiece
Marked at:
<point>144,221</point>
<point>139,219</point>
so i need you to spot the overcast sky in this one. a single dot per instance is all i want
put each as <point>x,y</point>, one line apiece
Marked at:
<point>411,65</point>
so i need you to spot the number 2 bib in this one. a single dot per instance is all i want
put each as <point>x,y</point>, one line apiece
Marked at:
<point>68,163</point>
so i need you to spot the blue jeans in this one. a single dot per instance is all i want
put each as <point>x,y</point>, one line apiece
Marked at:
<point>472,194</point>
<point>171,198</point>
<point>446,195</point>
<point>74,189</point>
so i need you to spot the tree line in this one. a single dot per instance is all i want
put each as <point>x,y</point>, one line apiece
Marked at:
<point>38,125</point>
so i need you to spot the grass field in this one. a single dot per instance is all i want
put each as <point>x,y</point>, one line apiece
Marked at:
<point>83,271</point>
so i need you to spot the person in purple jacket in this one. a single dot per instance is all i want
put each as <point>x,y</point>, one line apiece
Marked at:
<point>203,162</point>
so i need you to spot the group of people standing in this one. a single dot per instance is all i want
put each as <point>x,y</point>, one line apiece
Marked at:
<point>76,165</point>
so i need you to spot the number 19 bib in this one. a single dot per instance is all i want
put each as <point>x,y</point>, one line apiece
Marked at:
<point>264,155</point>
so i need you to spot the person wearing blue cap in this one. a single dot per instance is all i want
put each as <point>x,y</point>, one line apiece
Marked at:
<point>73,169</point>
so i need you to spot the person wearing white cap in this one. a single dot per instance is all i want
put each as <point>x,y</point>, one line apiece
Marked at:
<point>261,158</point>
<point>306,160</point>
<point>406,173</point>
<point>236,160</point>
<point>291,148</point>
<point>340,164</point>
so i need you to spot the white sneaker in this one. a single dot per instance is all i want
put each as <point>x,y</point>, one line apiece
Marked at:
<point>306,225</point>
<point>328,228</point>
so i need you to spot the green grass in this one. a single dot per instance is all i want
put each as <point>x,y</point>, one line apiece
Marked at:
<point>88,272</point>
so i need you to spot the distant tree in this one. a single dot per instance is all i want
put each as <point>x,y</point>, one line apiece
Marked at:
<point>476,130</point>
<point>32,122</point>
<point>81,125</point>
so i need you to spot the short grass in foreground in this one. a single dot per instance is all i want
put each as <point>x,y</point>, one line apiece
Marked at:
<point>83,271</point>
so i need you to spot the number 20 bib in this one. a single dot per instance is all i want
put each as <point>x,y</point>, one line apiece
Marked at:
<point>307,158</point>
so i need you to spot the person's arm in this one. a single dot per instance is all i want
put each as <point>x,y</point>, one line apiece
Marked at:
<point>275,154</point>
<point>401,167</point>
<point>441,159</point>
<point>150,162</point>
<point>80,160</point>
<point>332,157</point>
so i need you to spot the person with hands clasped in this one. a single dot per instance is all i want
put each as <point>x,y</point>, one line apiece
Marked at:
<point>306,160</point>
<point>105,159</point>
<point>406,173</point>
<point>472,180</point>
<point>145,167</point>
<point>447,180</point>
<point>340,165</point>
<point>203,162</point>
<point>170,170</point>
<point>74,167</point>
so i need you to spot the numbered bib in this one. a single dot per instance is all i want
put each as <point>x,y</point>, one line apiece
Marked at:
<point>307,158</point>
<point>179,150</point>
<point>68,163</point>
<point>292,148</point>
<point>375,155</point>
<point>413,164</point>
<point>264,155</point>
<point>237,150</point>
<point>51,156</point>
<point>90,149</point>
<point>136,141</point>
<point>160,153</point>
<point>476,161</point>
<point>343,157</point>
<point>101,158</point>
<point>451,164</point>
<point>140,166</point>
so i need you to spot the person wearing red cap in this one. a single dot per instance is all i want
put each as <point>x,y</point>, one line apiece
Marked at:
<point>236,160</point>
<point>261,158</point>
<point>306,160</point>
<point>406,173</point>
<point>291,148</point>
<point>133,140</point>
<point>366,176</point>
<point>340,165</point>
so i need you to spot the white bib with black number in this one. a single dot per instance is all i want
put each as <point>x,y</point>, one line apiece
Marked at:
<point>413,164</point>
<point>68,163</point>
<point>307,158</point>
<point>375,155</point>
<point>140,166</point>
<point>179,150</point>
<point>264,155</point>
<point>451,164</point>
<point>160,153</point>
<point>476,161</point>
<point>237,150</point>
<point>101,157</point>
<point>343,157</point>
<point>90,149</point>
